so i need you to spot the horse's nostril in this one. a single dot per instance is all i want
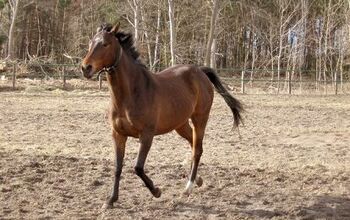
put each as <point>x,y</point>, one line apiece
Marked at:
<point>86,68</point>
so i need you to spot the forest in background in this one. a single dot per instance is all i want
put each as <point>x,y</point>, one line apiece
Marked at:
<point>272,35</point>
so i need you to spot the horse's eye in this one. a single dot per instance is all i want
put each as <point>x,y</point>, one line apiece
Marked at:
<point>104,44</point>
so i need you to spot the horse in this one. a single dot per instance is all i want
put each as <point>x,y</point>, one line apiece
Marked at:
<point>145,104</point>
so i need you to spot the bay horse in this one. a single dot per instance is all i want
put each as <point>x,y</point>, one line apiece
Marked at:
<point>144,104</point>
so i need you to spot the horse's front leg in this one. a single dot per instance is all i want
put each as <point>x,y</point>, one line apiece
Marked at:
<point>146,142</point>
<point>119,148</point>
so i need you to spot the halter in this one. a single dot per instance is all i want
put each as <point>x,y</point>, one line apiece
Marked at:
<point>113,67</point>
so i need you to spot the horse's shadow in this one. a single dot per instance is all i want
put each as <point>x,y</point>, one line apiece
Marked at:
<point>327,207</point>
<point>323,207</point>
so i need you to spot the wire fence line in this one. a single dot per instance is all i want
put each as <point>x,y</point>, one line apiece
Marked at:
<point>296,81</point>
<point>239,80</point>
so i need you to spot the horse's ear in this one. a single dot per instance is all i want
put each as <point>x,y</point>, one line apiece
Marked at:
<point>115,28</point>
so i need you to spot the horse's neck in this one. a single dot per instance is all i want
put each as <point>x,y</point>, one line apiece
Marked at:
<point>128,79</point>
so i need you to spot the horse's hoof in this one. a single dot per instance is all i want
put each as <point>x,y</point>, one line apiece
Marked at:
<point>156,192</point>
<point>189,188</point>
<point>199,181</point>
<point>107,205</point>
<point>186,193</point>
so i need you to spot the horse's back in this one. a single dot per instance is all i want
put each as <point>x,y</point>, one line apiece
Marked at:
<point>183,90</point>
<point>186,75</point>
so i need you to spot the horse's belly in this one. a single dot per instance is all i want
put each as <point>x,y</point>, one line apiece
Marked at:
<point>171,122</point>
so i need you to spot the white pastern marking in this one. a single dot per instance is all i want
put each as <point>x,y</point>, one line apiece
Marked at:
<point>189,187</point>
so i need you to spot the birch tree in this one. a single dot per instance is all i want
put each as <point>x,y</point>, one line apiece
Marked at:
<point>147,35</point>
<point>172,31</point>
<point>13,4</point>
<point>156,46</point>
<point>285,17</point>
<point>135,6</point>
<point>210,51</point>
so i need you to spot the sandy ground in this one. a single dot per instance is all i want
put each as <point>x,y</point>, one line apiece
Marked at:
<point>291,162</point>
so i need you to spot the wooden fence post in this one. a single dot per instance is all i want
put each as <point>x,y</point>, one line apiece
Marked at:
<point>242,83</point>
<point>336,83</point>
<point>14,76</point>
<point>100,81</point>
<point>64,77</point>
<point>289,83</point>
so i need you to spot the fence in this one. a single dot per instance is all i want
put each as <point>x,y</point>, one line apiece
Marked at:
<point>58,75</point>
<point>289,82</point>
<point>68,76</point>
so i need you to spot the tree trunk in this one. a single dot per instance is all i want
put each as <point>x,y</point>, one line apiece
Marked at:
<point>326,45</point>
<point>172,31</point>
<point>156,46</point>
<point>253,63</point>
<point>341,69</point>
<point>38,46</point>
<point>211,36</point>
<point>279,57</point>
<point>62,40</point>
<point>11,50</point>
<point>148,42</point>
<point>136,21</point>
<point>271,54</point>
<point>134,4</point>
<point>212,57</point>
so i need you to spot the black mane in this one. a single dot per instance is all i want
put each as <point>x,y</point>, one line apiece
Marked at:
<point>126,41</point>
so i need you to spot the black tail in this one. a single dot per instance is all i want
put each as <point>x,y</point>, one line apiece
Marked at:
<point>234,104</point>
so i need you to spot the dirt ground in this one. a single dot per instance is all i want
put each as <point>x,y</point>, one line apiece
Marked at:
<point>292,161</point>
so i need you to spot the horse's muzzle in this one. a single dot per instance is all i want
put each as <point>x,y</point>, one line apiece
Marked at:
<point>87,71</point>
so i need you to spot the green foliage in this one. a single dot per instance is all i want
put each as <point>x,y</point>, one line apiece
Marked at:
<point>107,12</point>
<point>2,3</point>
<point>64,3</point>
<point>3,39</point>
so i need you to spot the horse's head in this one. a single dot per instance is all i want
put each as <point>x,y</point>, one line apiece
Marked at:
<point>103,50</point>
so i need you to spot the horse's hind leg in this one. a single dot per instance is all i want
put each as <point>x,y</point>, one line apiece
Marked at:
<point>199,123</point>
<point>146,142</point>
<point>186,132</point>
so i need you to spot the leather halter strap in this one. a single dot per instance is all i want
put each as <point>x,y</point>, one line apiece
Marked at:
<point>114,66</point>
